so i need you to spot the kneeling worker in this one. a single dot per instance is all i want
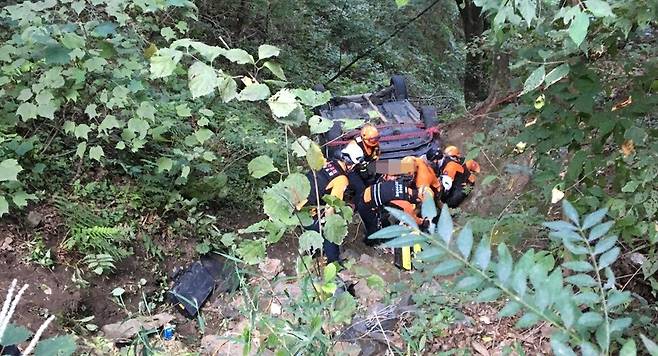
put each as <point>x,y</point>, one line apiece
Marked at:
<point>457,177</point>
<point>331,180</point>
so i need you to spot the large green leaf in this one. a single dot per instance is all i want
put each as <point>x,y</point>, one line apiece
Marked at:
<point>489,295</point>
<point>510,309</point>
<point>556,74</point>
<point>56,346</point>
<point>314,157</point>
<point>445,225</point>
<point>298,188</point>
<point>629,348</point>
<point>482,254</point>
<point>446,268</point>
<point>590,320</point>
<point>238,56</point>
<point>206,51</point>
<point>228,88</point>
<point>405,240</point>
<point>594,218</point>
<point>335,229</point>
<point>650,345</point>
<point>282,103</point>
<point>605,244</point>
<point>202,79</point>
<point>534,80</point>
<point>319,124</point>
<point>608,258</point>
<point>468,283</point>
<point>560,348</point>
<point>9,170</point>
<point>27,111</point>
<point>465,241</point>
<point>164,62</point>
<point>275,68</point>
<point>599,8</point>
<point>578,266</point>
<point>390,232</point>
<point>14,334</point>
<point>581,280</point>
<point>578,28</point>
<point>504,265</point>
<point>310,241</point>
<point>96,153</point>
<point>254,92</point>
<point>261,166</point>
<point>312,98</point>
<point>528,9</point>
<point>600,230</point>
<point>527,320</point>
<point>267,51</point>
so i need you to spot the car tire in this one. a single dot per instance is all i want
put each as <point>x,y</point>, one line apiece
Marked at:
<point>429,116</point>
<point>399,84</point>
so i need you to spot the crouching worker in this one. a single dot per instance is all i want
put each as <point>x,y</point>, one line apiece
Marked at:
<point>331,180</point>
<point>457,177</point>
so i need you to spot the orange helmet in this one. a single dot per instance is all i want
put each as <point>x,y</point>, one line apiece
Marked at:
<point>452,151</point>
<point>370,135</point>
<point>472,166</point>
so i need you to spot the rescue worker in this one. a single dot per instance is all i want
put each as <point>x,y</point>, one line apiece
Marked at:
<point>332,180</point>
<point>457,177</point>
<point>368,142</point>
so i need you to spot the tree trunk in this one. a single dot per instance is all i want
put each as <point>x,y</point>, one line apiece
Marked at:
<point>474,24</point>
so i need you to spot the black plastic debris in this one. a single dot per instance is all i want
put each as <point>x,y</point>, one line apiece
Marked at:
<point>197,282</point>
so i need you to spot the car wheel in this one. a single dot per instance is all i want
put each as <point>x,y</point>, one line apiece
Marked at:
<point>399,87</point>
<point>429,116</point>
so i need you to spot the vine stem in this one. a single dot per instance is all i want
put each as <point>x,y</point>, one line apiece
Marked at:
<point>504,289</point>
<point>604,302</point>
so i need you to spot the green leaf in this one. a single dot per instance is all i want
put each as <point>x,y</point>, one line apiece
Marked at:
<point>202,79</point>
<point>27,111</point>
<point>446,268</point>
<point>105,29</point>
<point>202,135</point>
<point>581,280</point>
<point>14,334</point>
<point>578,266</point>
<point>605,244</point>
<point>314,157</point>
<point>275,68</point>
<point>139,126</point>
<point>319,124</point>
<point>468,283</point>
<point>183,110</point>
<point>465,241</point>
<point>619,325</point>
<point>482,255</point>
<point>251,252</point>
<point>59,345</point>
<point>330,272</point>
<point>267,51</point>
<point>4,206</point>
<point>599,8</point>
<point>401,3</point>
<point>311,97</point>
<point>109,122</point>
<point>488,179</point>
<point>510,309</point>
<point>56,54</point>
<point>570,212</point>
<point>489,295</point>
<point>504,265</point>
<point>600,230</point>
<point>20,198</point>
<point>405,240</point>
<point>594,218</point>
<point>95,64</point>
<point>638,135</point>
<point>578,28</point>
<point>254,92</point>
<point>630,187</point>
<point>261,166</point>
<point>608,258</point>
<point>528,9</point>
<point>164,164</point>
<point>650,345</point>
<point>297,187</point>
<point>445,226</point>
<point>587,349</point>
<point>82,131</point>
<point>167,33</point>
<point>25,95</point>
<point>616,298</point>
<point>629,348</point>
<point>238,56</point>
<point>164,62</point>
<point>282,103</point>
<point>560,225</point>
<point>146,110</point>
<point>561,349</point>
<point>590,320</point>
<point>334,229</point>
<point>96,152</point>
<point>534,80</point>
<point>81,149</point>
<point>9,170</point>
<point>527,320</point>
<point>403,217</point>
<point>556,74</point>
<point>310,241</point>
<point>227,88</point>
<point>208,52</point>
<point>390,232</point>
